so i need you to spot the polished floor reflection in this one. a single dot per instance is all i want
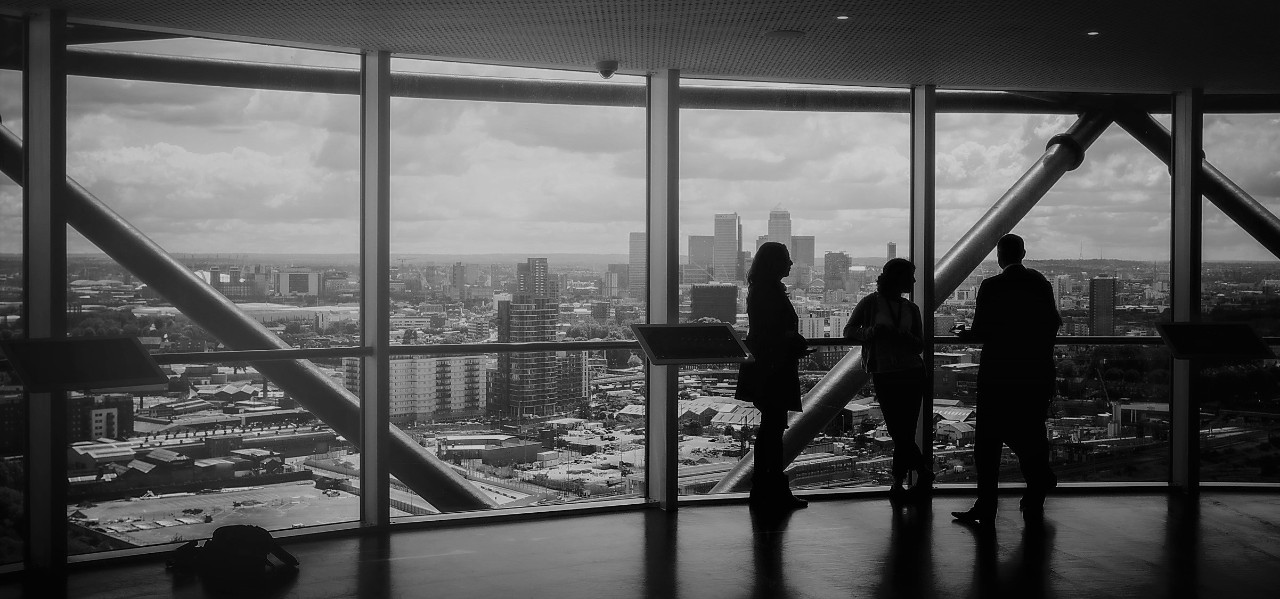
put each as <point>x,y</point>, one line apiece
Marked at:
<point>1226,544</point>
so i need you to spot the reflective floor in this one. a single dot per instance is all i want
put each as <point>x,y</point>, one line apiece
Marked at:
<point>1226,544</point>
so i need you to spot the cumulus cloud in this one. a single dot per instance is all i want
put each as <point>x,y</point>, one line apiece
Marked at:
<point>205,169</point>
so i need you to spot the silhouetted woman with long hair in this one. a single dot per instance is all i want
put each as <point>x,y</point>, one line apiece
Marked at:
<point>772,381</point>
<point>888,325</point>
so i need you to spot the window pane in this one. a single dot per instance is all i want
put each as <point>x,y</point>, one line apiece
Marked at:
<point>223,445</point>
<point>1100,237</point>
<point>1240,439</point>
<point>13,406</point>
<point>254,191</point>
<point>590,452</point>
<point>834,187</point>
<point>256,194</point>
<point>517,220</point>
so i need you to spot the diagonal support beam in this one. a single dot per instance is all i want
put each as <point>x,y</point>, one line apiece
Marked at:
<point>418,468</point>
<point>1233,201</point>
<point>824,402</point>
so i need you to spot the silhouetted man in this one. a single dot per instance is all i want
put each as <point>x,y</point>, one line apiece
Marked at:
<point>1016,320</point>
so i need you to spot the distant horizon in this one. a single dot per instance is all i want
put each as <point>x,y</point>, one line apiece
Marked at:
<point>502,257</point>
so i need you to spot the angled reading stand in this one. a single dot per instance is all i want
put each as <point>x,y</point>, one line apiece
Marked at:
<point>693,343</point>
<point>1188,340</point>
<point>101,364</point>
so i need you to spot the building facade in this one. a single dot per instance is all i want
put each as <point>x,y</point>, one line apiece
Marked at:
<point>726,252</point>
<point>1102,306</point>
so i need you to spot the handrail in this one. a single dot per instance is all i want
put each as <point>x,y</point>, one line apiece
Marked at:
<point>270,355</point>
<point>828,397</point>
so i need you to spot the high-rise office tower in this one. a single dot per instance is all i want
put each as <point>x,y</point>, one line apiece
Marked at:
<point>700,248</point>
<point>1102,306</point>
<point>609,285</point>
<point>532,279</point>
<point>802,256</point>
<point>1061,288</point>
<point>802,250</point>
<point>638,271</point>
<point>727,248</point>
<point>458,280</point>
<point>835,265</point>
<point>891,251</point>
<point>780,227</point>
<point>718,301</point>
<point>526,381</point>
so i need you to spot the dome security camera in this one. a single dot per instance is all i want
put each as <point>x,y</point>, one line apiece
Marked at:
<point>607,68</point>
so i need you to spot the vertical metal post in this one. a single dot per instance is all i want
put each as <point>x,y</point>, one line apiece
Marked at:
<point>923,148</point>
<point>1184,412</point>
<point>663,115</point>
<point>375,286</point>
<point>45,275</point>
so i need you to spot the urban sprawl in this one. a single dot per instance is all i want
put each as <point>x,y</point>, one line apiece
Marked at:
<point>222,444</point>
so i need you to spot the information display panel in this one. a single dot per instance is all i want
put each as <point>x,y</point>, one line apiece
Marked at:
<point>83,364</point>
<point>1188,340</point>
<point>690,343</point>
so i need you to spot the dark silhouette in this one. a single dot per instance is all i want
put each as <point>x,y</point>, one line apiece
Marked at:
<point>1016,321</point>
<point>1024,573</point>
<point>908,569</point>
<point>772,381</point>
<point>888,326</point>
<point>767,530</point>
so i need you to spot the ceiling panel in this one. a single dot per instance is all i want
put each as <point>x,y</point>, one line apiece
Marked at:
<point>1141,46</point>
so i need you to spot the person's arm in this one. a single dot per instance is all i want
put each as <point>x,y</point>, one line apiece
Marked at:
<point>859,326</point>
<point>974,332</point>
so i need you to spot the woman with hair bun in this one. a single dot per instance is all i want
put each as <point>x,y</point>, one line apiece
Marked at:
<point>889,327</point>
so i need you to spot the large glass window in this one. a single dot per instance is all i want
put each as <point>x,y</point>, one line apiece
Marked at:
<point>254,191</point>
<point>13,407</point>
<point>834,187</point>
<point>1240,282</point>
<point>1100,236</point>
<point>256,194</point>
<point>518,219</point>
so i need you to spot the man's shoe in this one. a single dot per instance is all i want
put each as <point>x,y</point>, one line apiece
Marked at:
<point>977,516</point>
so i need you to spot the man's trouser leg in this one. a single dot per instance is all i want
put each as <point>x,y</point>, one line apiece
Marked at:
<point>988,443</point>
<point>1029,441</point>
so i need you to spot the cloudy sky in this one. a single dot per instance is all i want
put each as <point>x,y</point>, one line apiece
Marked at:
<point>205,169</point>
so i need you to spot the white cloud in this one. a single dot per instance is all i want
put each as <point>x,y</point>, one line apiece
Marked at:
<point>204,169</point>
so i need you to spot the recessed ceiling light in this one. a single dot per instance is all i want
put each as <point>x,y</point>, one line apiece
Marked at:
<point>1092,33</point>
<point>843,17</point>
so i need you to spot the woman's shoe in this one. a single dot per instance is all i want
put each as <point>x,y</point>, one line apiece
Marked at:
<point>793,503</point>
